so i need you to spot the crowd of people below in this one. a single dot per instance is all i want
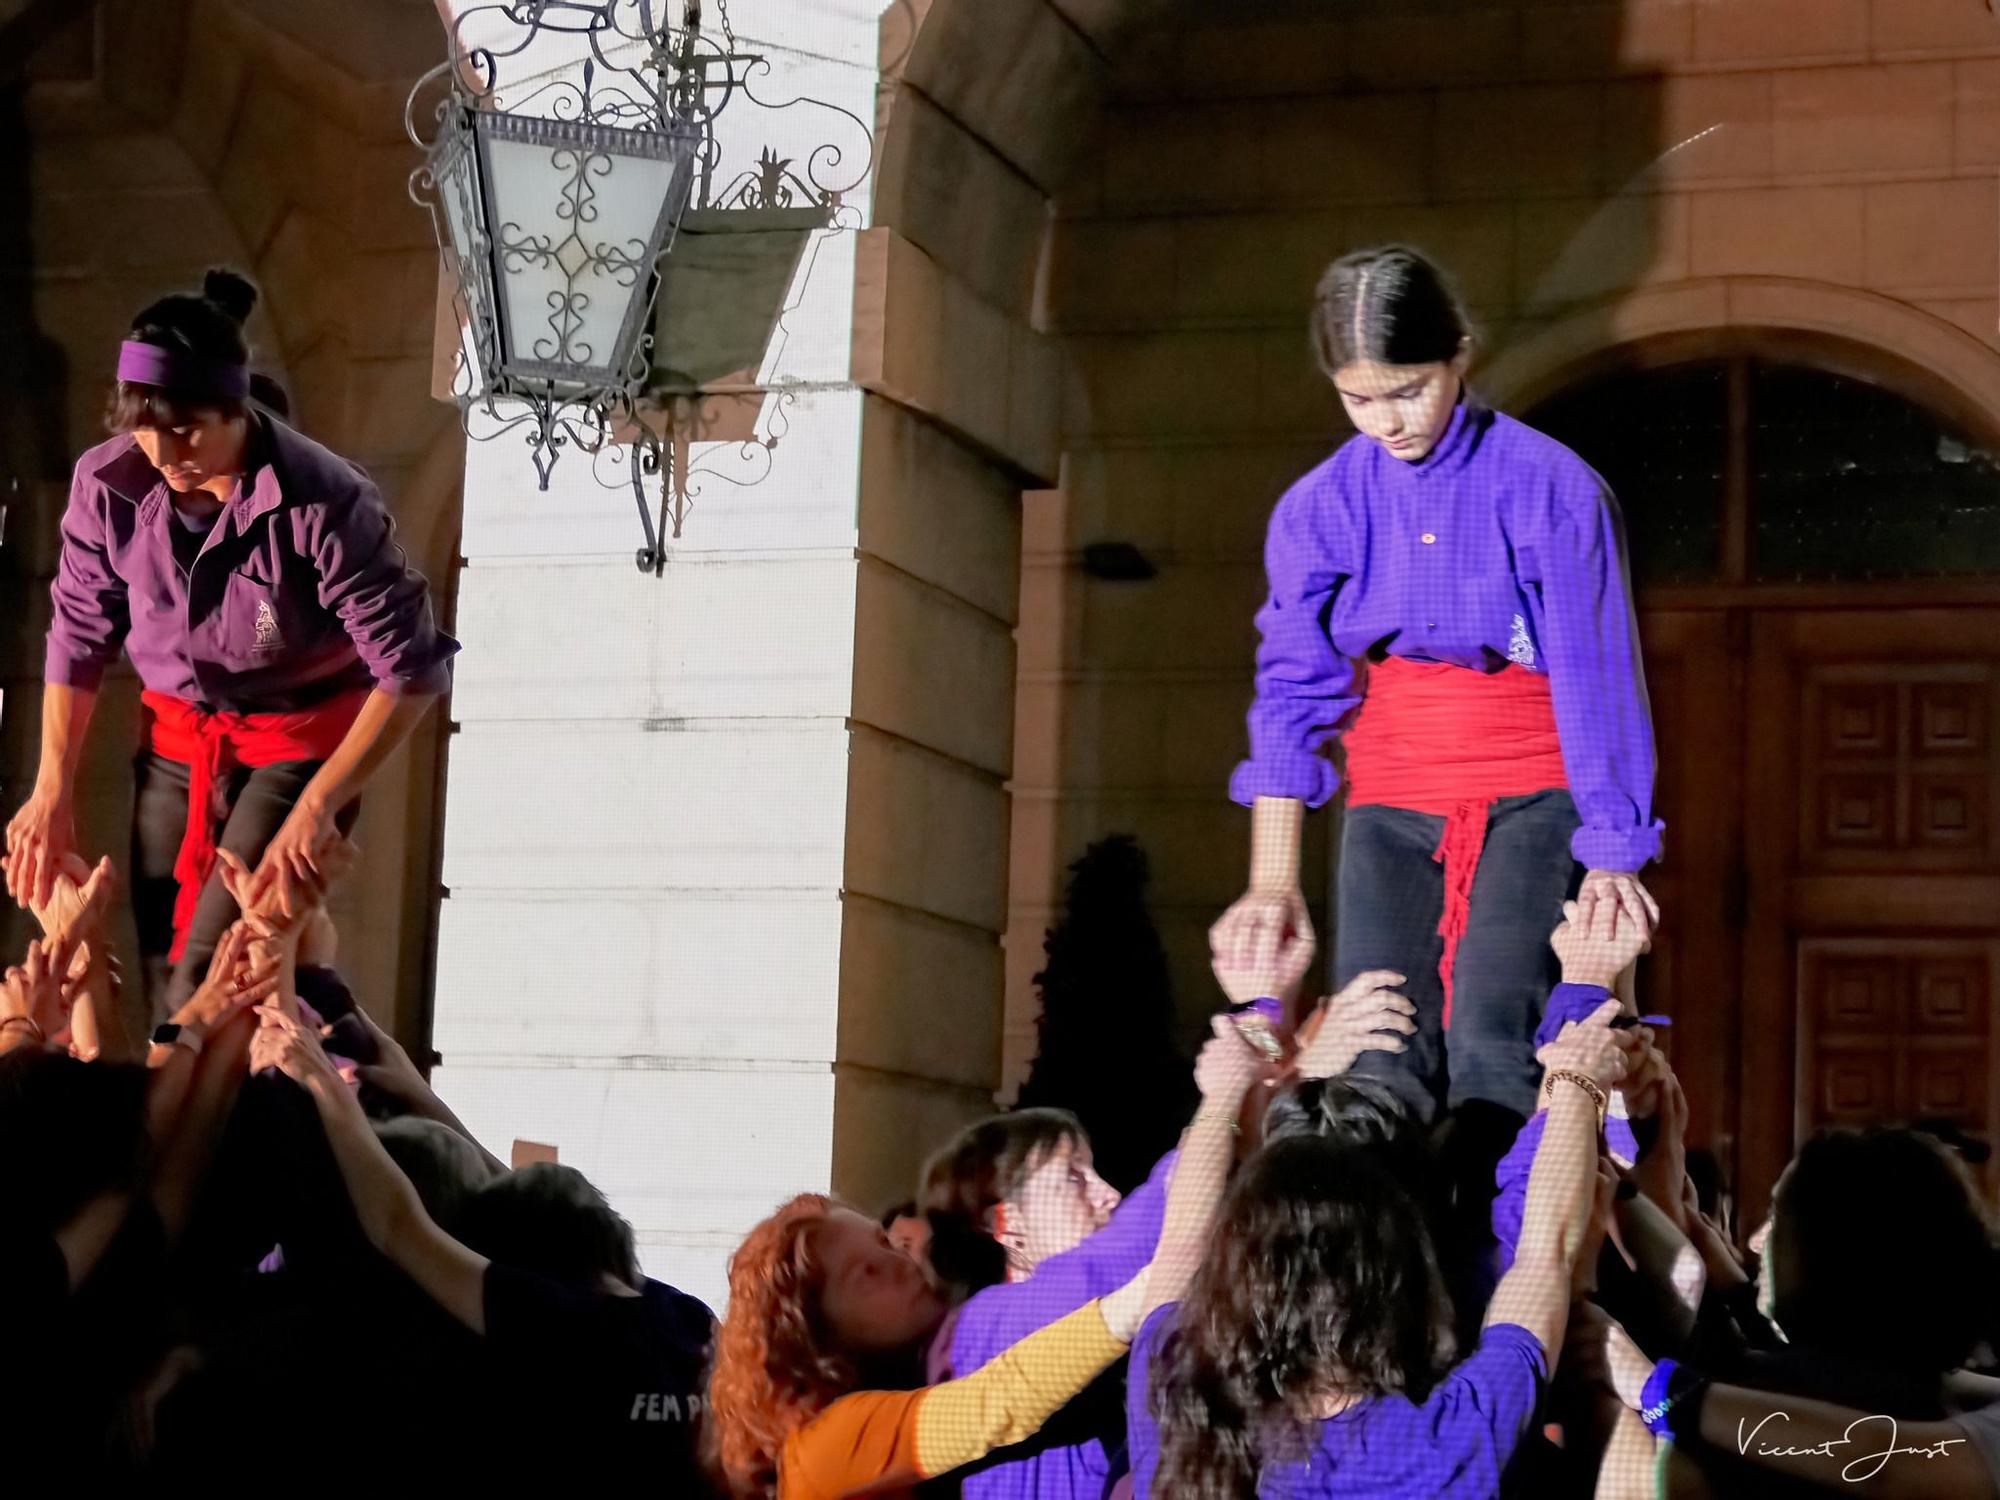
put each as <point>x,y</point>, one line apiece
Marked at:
<point>1297,1302</point>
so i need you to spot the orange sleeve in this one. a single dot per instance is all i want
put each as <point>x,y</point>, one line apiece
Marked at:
<point>876,1440</point>
<point>861,1442</point>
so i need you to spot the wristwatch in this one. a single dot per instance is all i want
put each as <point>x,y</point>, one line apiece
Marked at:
<point>173,1034</point>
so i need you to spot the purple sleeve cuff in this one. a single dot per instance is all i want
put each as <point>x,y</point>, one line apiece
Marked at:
<point>434,681</point>
<point>1310,779</point>
<point>65,668</point>
<point>1566,1003</point>
<point>1623,849</point>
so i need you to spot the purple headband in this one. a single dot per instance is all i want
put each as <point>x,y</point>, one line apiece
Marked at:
<point>181,374</point>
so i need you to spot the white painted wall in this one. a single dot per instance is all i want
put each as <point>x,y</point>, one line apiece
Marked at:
<point>646,800</point>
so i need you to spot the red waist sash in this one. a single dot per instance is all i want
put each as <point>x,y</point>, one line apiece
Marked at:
<point>213,745</point>
<point>1449,741</point>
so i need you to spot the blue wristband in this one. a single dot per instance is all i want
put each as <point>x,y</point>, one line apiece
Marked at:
<point>1654,1402</point>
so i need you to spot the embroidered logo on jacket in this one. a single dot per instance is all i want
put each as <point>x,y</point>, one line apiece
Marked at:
<point>269,637</point>
<point>1519,647</point>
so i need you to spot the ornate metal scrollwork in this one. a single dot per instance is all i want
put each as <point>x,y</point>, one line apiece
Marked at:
<point>632,87</point>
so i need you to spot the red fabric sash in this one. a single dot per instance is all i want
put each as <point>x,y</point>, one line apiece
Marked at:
<point>213,745</point>
<point>1449,741</point>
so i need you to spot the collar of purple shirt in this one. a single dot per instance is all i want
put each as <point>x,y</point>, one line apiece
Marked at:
<point>128,475</point>
<point>1458,440</point>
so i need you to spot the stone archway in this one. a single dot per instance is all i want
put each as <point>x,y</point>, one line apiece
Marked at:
<point>1537,366</point>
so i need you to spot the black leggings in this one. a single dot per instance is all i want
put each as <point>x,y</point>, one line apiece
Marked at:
<point>257,803</point>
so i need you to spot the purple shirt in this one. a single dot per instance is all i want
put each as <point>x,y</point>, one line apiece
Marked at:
<point>1001,1316</point>
<point>298,593</point>
<point>1502,545</point>
<point>1458,1442</point>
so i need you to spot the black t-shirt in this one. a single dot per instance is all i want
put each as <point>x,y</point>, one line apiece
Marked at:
<point>191,534</point>
<point>37,1277</point>
<point>69,1355</point>
<point>623,1374</point>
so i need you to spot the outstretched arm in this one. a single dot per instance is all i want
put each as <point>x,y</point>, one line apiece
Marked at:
<point>1581,1067</point>
<point>391,1213</point>
<point>876,1440</point>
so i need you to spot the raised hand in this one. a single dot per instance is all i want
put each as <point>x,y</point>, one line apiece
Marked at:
<point>1597,942</point>
<point>40,837</point>
<point>1262,946</point>
<point>1226,1068</point>
<point>79,898</point>
<point>1590,1047</point>
<point>1646,1073</point>
<point>286,1043</point>
<point>1661,1170</point>
<point>1366,1016</point>
<point>1625,893</point>
<point>33,989</point>
<point>292,860</point>
<point>234,983</point>
<point>333,858</point>
<point>278,930</point>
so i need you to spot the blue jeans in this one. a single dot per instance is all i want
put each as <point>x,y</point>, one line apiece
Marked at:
<point>1390,900</point>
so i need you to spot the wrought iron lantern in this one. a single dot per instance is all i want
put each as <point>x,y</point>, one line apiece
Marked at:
<point>559,192</point>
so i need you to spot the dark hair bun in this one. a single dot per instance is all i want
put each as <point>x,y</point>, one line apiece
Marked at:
<point>268,394</point>
<point>235,294</point>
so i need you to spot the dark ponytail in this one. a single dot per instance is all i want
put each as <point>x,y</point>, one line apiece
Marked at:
<point>1389,304</point>
<point>207,325</point>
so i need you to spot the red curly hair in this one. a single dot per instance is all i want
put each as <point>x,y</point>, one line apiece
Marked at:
<point>774,1369</point>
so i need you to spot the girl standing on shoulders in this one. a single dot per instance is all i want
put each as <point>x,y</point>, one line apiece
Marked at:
<point>1448,596</point>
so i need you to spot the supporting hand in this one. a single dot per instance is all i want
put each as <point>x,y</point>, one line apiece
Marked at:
<point>1364,1017</point>
<point>1621,890</point>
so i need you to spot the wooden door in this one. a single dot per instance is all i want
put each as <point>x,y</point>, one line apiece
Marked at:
<point>1872,925</point>
<point>1695,682</point>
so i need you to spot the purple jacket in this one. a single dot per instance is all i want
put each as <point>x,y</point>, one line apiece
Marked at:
<point>298,594</point>
<point>1002,1316</point>
<point>1500,546</point>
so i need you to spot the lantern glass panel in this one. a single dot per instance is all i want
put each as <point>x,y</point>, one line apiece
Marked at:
<point>578,216</point>
<point>456,184</point>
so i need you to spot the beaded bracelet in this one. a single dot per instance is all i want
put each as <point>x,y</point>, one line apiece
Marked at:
<point>1582,1080</point>
<point>1216,1116</point>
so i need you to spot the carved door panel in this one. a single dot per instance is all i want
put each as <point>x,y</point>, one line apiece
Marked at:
<point>1873,922</point>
